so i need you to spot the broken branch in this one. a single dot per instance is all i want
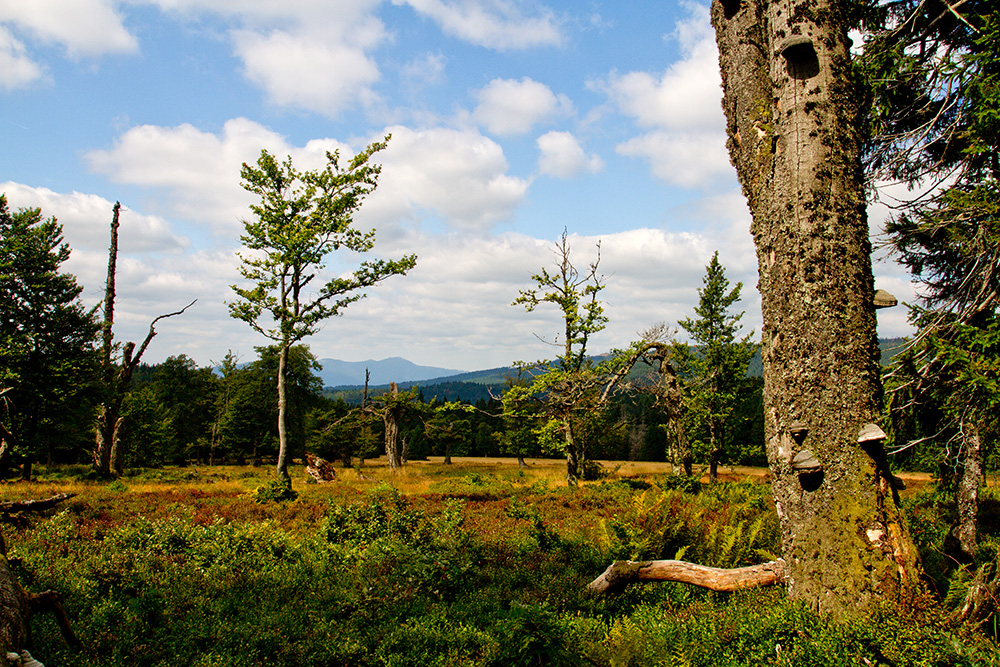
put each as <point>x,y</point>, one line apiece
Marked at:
<point>623,572</point>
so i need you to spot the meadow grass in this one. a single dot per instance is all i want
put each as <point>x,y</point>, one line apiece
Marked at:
<point>476,563</point>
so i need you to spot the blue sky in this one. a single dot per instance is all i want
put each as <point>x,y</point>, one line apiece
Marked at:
<point>510,120</point>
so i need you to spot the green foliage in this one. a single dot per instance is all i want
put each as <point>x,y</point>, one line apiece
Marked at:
<point>301,218</point>
<point>47,362</point>
<point>275,491</point>
<point>174,572</point>
<point>714,372</point>
<point>729,526</point>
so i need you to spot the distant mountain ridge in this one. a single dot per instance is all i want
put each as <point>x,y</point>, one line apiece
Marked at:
<point>466,386</point>
<point>338,373</point>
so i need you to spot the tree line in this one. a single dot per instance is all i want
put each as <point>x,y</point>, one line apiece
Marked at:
<point>177,412</point>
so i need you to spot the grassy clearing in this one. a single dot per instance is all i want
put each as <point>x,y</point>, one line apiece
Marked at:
<point>476,563</point>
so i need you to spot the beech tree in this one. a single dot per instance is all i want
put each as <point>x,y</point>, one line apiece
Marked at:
<point>795,133</point>
<point>569,385</point>
<point>302,217</point>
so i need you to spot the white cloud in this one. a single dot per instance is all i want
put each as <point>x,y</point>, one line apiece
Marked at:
<point>686,145</point>
<point>562,156</point>
<point>508,106</point>
<point>304,54</point>
<point>306,72</point>
<point>16,68</point>
<point>687,160</point>
<point>86,220</point>
<point>495,24</point>
<point>200,170</point>
<point>459,175</point>
<point>83,27</point>
<point>688,95</point>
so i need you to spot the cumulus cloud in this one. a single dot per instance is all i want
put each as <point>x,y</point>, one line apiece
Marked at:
<point>86,220</point>
<point>508,106</point>
<point>496,24</point>
<point>307,71</point>
<point>682,107</point>
<point>200,170</point>
<point>17,69</point>
<point>83,27</point>
<point>562,156</point>
<point>687,160</point>
<point>459,175</point>
<point>302,53</point>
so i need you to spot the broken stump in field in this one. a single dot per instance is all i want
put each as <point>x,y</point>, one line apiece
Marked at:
<point>319,469</point>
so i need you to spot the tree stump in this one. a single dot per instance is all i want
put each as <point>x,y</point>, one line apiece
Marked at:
<point>319,469</point>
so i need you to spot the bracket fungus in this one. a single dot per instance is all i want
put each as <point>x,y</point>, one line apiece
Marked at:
<point>884,300</point>
<point>809,469</point>
<point>798,431</point>
<point>870,433</point>
<point>806,462</point>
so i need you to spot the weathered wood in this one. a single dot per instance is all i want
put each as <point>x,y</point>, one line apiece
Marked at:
<point>34,505</point>
<point>623,572</point>
<point>319,469</point>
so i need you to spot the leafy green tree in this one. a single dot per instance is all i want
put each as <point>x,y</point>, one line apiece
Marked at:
<point>188,393</point>
<point>519,417</point>
<point>47,361</point>
<point>715,370</point>
<point>570,385</point>
<point>148,436</point>
<point>449,429</point>
<point>302,217</point>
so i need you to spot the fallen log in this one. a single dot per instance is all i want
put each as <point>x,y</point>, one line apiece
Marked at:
<point>623,572</point>
<point>34,505</point>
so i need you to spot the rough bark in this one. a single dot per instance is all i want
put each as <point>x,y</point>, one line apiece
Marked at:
<point>391,415</point>
<point>319,469</point>
<point>108,453</point>
<point>792,113</point>
<point>967,493</point>
<point>623,572</point>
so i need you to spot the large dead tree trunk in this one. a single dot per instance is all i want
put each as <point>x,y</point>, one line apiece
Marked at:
<point>793,126</point>
<point>108,453</point>
<point>391,415</point>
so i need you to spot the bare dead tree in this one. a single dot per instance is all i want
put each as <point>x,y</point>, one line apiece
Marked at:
<point>107,454</point>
